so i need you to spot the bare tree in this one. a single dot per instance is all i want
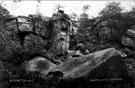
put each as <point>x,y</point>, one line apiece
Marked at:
<point>58,7</point>
<point>85,8</point>
<point>132,9</point>
<point>73,15</point>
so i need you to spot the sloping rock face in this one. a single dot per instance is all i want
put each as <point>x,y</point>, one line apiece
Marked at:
<point>40,64</point>
<point>83,66</point>
<point>102,69</point>
<point>129,38</point>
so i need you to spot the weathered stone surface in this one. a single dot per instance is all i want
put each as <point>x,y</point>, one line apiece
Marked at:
<point>40,64</point>
<point>128,41</point>
<point>85,65</point>
<point>62,28</point>
<point>129,38</point>
<point>131,33</point>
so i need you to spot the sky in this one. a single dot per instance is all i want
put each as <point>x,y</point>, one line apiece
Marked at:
<point>47,8</point>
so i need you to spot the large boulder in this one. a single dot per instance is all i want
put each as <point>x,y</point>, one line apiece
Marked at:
<point>129,38</point>
<point>108,60</point>
<point>40,64</point>
<point>102,69</point>
<point>131,33</point>
<point>127,41</point>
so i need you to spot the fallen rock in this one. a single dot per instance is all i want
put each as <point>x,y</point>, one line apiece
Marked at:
<point>40,64</point>
<point>85,65</point>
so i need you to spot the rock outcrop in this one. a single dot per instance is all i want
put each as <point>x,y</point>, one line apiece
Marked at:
<point>129,38</point>
<point>85,65</point>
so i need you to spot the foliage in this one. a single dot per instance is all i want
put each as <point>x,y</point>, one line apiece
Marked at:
<point>85,8</point>
<point>41,24</point>
<point>58,7</point>
<point>113,15</point>
<point>111,8</point>
<point>9,41</point>
<point>3,11</point>
<point>73,15</point>
<point>84,21</point>
<point>13,54</point>
<point>112,18</point>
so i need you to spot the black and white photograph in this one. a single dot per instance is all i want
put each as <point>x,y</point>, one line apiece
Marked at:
<point>67,43</point>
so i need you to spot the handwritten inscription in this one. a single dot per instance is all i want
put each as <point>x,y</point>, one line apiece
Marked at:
<point>108,79</point>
